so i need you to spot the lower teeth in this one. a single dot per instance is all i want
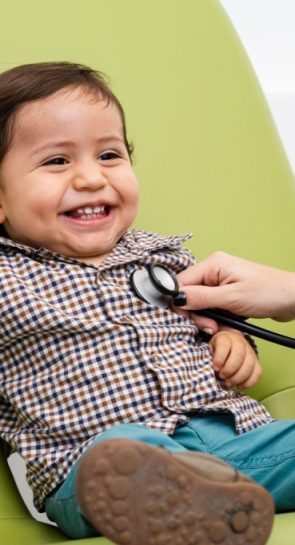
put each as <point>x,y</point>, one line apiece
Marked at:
<point>89,216</point>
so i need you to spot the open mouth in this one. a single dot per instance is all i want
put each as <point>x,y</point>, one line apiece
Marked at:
<point>88,212</point>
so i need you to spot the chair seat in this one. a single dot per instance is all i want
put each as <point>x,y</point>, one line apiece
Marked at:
<point>26,531</point>
<point>283,532</point>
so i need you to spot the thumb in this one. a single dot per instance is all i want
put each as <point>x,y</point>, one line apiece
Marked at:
<point>201,297</point>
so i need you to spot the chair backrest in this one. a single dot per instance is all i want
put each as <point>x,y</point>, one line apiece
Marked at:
<point>207,155</point>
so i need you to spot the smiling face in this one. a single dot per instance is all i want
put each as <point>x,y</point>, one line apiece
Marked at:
<point>66,182</point>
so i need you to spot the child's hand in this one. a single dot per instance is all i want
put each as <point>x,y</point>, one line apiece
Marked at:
<point>234,359</point>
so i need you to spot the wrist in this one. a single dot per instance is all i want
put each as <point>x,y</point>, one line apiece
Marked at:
<point>286,303</point>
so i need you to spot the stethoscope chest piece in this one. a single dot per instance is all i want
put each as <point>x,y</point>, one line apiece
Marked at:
<point>155,285</point>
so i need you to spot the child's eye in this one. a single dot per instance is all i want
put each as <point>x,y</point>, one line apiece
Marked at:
<point>109,156</point>
<point>56,161</point>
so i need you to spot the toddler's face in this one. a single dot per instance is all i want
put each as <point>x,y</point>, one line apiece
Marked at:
<point>66,182</point>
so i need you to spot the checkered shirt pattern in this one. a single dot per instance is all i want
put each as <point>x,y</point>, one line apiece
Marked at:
<point>80,352</point>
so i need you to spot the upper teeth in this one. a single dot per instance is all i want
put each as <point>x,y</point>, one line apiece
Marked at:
<point>90,210</point>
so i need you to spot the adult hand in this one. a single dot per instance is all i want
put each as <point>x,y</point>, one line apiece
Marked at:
<point>239,286</point>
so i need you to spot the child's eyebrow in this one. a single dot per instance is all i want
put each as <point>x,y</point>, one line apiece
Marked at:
<point>110,138</point>
<point>70,143</point>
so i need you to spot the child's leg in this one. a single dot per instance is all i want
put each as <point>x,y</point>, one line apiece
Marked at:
<point>137,494</point>
<point>266,454</point>
<point>62,506</point>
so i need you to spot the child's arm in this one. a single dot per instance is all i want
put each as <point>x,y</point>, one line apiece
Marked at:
<point>234,359</point>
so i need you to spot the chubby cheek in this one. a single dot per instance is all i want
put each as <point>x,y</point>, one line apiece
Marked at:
<point>133,196</point>
<point>132,193</point>
<point>132,207</point>
<point>44,203</point>
<point>32,224</point>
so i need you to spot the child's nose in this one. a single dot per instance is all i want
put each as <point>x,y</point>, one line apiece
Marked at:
<point>89,178</point>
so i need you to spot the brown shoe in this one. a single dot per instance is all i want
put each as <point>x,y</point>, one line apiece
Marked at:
<point>136,494</point>
<point>210,467</point>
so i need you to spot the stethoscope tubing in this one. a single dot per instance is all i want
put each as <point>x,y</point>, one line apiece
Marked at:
<point>237,322</point>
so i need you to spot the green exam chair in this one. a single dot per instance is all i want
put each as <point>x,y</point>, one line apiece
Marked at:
<point>207,155</point>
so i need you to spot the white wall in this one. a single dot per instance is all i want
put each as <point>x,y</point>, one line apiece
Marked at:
<point>267,30</point>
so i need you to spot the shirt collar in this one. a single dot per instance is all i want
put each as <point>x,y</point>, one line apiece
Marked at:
<point>133,245</point>
<point>136,244</point>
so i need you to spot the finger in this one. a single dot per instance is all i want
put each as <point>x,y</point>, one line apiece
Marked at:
<point>244,372</point>
<point>205,324</point>
<point>221,346</point>
<point>201,297</point>
<point>197,272</point>
<point>234,362</point>
<point>210,271</point>
<point>181,312</point>
<point>253,379</point>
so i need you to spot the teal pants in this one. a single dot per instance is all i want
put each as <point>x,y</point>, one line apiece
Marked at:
<point>266,454</point>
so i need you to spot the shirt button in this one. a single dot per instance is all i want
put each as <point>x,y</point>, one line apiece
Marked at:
<point>157,359</point>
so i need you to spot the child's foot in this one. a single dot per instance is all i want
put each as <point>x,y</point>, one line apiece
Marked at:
<point>135,494</point>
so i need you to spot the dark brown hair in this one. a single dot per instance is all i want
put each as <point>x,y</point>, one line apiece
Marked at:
<point>30,82</point>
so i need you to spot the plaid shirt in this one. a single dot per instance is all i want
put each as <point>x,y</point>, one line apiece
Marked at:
<point>80,352</point>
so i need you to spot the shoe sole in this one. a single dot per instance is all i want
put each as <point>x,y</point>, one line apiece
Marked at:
<point>135,494</point>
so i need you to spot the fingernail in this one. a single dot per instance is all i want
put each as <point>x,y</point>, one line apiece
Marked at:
<point>208,330</point>
<point>179,300</point>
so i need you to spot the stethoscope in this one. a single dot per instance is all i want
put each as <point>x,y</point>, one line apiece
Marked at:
<point>157,285</point>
